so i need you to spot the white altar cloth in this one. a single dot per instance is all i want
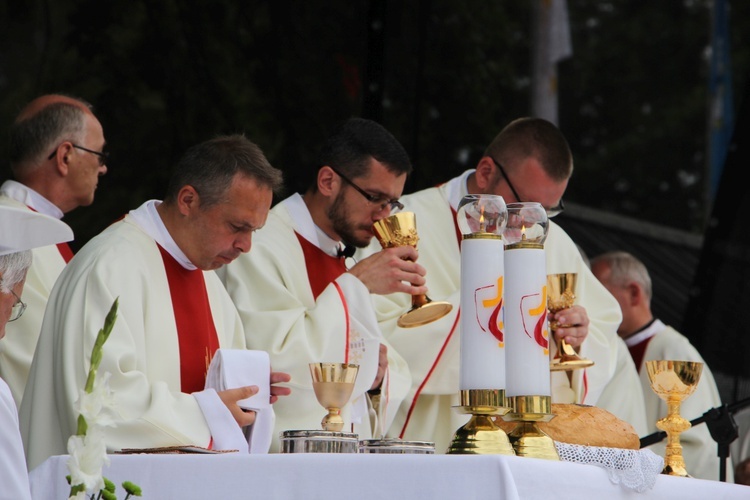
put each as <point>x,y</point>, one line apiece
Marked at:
<point>368,476</point>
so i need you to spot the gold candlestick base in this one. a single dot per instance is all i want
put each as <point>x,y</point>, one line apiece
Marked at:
<point>527,439</point>
<point>480,435</point>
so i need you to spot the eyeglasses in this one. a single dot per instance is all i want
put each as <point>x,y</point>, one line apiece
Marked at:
<point>551,212</point>
<point>18,308</point>
<point>103,155</point>
<point>380,201</point>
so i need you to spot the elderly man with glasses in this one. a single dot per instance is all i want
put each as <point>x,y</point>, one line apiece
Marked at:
<point>529,160</point>
<point>300,303</point>
<point>20,231</point>
<point>56,157</point>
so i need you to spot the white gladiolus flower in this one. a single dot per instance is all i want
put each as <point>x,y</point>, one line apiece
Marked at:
<point>96,406</point>
<point>88,454</point>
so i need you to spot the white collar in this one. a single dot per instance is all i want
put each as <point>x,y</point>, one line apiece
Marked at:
<point>30,198</point>
<point>456,188</point>
<point>148,219</point>
<point>646,333</point>
<point>304,225</point>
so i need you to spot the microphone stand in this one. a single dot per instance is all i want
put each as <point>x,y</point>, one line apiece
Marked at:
<point>721,426</point>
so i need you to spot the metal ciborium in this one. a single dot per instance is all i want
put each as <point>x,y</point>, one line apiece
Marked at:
<point>674,381</point>
<point>333,384</point>
<point>561,295</point>
<point>398,230</point>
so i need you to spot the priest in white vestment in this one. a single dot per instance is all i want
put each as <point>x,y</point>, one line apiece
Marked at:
<point>173,314</point>
<point>649,339</point>
<point>433,350</point>
<point>56,156</point>
<point>299,302</point>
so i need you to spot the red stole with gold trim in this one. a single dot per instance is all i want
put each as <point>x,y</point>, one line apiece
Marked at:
<point>322,269</point>
<point>196,331</point>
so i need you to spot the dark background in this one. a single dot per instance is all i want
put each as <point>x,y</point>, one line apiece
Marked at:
<point>443,76</point>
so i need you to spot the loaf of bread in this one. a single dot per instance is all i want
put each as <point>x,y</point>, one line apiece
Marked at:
<point>585,425</point>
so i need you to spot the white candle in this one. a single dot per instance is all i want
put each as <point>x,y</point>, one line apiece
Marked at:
<point>482,341</point>
<point>526,329</point>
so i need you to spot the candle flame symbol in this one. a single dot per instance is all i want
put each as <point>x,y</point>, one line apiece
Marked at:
<point>481,218</point>
<point>523,232</point>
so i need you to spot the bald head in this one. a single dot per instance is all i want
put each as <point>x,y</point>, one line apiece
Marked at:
<point>57,149</point>
<point>41,125</point>
<point>41,102</point>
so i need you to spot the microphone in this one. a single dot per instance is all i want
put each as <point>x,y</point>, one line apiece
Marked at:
<point>346,252</point>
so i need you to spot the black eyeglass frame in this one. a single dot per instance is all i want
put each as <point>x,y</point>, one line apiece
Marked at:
<point>395,205</point>
<point>103,155</point>
<point>19,306</point>
<point>551,212</point>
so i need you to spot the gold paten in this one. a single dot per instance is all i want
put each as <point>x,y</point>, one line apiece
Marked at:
<point>333,384</point>
<point>561,295</point>
<point>527,439</point>
<point>674,381</point>
<point>399,230</point>
<point>480,435</point>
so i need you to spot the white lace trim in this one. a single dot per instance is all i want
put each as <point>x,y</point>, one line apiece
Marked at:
<point>633,469</point>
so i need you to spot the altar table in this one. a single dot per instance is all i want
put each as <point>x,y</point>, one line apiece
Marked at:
<point>368,476</point>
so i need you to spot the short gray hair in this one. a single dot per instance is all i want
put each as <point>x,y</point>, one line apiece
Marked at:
<point>625,267</point>
<point>34,137</point>
<point>13,267</point>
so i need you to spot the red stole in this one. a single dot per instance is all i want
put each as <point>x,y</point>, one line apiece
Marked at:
<point>322,269</point>
<point>196,331</point>
<point>65,251</point>
<point>638,350</point>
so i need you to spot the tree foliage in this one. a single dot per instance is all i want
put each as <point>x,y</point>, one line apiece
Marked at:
<point>166,74</point>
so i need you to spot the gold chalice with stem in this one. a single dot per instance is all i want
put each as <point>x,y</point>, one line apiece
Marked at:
<point>333,384</point>
<point>561,294</point>
<point>398,230</point>
<point>674,381</point>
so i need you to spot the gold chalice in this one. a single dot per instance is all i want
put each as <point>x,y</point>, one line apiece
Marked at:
<point>674,381</point>
<point>561,295</point>
<point>333,384</point>
<point>398,230</point>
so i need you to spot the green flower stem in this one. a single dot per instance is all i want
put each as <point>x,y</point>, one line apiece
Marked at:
<point>101,338</point>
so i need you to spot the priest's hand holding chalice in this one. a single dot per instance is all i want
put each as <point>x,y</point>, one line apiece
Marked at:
<point>400,229</point>
<point>561,295</point>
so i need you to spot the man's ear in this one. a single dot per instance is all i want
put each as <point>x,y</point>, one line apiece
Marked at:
<point>328,181</point>
<point>635,293</point>
<point>188,200</point>
<point>485,174</point>
<point>62,159</point>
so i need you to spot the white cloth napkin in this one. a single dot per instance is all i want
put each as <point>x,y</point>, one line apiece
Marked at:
<point>232,368</point>
<point>633,469</point>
